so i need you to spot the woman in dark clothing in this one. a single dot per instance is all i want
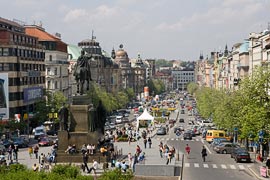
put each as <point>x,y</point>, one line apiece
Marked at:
<point>204,153</point>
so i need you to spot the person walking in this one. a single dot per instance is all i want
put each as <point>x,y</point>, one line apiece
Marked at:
<point>145,142</point>
<point>30,151</point>
<point>267,163</point>
<point>85,161</point>
<point>187,150</point>
<point>149,142</point>
<point>36,148</point>
<point>204,153</point>
<point>94,166</point>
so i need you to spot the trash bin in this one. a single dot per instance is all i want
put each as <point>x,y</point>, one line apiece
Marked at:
<point>263,171</point>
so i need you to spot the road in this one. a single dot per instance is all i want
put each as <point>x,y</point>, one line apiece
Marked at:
<point>217,166</point>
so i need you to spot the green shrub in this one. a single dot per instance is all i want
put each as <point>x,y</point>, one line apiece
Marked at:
<point>17,167</point>
<point>67,170</point>
<point>116,174</point>
<point>122,139</point>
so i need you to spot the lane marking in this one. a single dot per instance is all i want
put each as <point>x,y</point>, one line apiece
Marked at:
<point>241,167</point>
<point>232,167</point>
<point>196,165</point>
<point>223,166</point>
<point>187,164</point>
<point>205,166</point>
<point>214,166</point>
<point>208,149</point>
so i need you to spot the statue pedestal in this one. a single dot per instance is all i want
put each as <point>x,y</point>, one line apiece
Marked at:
<point>81,130</point>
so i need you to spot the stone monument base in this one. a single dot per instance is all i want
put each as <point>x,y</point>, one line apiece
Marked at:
<point>77,138</point>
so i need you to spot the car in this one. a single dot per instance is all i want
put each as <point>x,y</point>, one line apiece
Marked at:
<point>181,120</point>
<point>161,131</point>
<point>20,142</point>
<point>7,142</point>
<point>45,141</point>
<point>182,111</point>
<point>52,132</point>
<point>241,155</point>
<point>171,121</point>
<point>187,135</point>
<point>190,122</point>
<point>217,141</point>
<point>177,129</point>
<point>225,148</point>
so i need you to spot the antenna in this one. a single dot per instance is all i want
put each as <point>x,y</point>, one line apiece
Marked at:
<point>93,37</point>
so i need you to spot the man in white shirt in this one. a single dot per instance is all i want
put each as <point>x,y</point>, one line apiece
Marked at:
<point>94,166</point>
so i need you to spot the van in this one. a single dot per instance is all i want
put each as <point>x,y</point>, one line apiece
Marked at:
<point>119,119</point>
<point>211,134</point>
<point>40,130</point>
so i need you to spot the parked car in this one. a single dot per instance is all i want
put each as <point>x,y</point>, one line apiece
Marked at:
<point>187,135</point>
<point>52,132</point>
<point>217,141</point>
<point>225,148</point>
<point>20,142</point>
<point>241,155</point>
<point>45,141</point>
<point>7,142</point>
<point>161,131</point>
<point>177,129</point>
<point>182,111</point>
<point>181,120</point>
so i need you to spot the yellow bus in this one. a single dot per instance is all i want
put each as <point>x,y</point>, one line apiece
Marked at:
<point>211,134</point>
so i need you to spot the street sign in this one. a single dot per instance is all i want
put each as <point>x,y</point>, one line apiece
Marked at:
<point>236,129</point>
<point>177,133</point>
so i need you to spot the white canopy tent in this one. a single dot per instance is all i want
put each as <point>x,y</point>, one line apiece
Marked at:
<point>145,116</point>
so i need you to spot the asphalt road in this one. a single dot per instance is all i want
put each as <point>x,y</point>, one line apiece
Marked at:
<point>216,167</point>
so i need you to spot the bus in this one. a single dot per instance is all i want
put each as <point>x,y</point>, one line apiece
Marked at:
<point>211,134</point>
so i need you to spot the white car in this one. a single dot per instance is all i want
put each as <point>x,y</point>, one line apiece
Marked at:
<point>119,119</point>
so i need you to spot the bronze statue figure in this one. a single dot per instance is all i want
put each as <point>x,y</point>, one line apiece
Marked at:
<point>63,116</point>
<point>82,72</point>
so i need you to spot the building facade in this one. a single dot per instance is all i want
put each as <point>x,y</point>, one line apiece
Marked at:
<point>23,59</point>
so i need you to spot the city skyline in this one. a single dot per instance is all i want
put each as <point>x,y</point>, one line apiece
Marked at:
<point>156,29</point>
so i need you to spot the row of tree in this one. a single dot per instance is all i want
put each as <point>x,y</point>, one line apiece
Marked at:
<point>53,102</point>
<point>246,109</point>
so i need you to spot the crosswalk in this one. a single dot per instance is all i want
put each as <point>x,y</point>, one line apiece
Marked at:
<point>217,166</point>
<point>176,139</point>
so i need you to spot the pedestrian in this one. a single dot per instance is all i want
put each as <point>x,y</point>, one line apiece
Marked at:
<point>161,150</point>
<point>30,151</point>
<point>15,153</point>
<point>85,161</point>
<point>267,163</point>
<point>149,142</point>
<point>145,142</point>
<point>129,139</point>
<point>204,153</point>
<point>169,157</point>
<point>129,160</point>
<point>187,150</point>
<point>94,166</point>
<point>9,150</point>
<point>36,148</point>
<point>35,167</point>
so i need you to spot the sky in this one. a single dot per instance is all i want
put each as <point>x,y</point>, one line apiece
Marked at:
<point>157,29</point>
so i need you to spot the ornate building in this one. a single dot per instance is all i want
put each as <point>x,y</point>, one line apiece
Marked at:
<point>103,70</point>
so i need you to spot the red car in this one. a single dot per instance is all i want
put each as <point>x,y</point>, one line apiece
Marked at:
<point>45,142</point>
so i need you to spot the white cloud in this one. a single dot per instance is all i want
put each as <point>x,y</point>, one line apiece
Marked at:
<point>75,14</point>
<point>215,16</point>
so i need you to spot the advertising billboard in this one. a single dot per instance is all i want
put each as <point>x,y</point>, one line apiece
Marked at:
<point>4,101</point>
<point>32,94</point>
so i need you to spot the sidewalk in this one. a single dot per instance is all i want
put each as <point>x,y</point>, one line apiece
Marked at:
<point>255,169</point>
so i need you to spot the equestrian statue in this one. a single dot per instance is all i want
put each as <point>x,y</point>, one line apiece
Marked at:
<point>82,72</point>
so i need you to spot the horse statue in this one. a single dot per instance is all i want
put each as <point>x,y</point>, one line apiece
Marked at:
<point>82,72</point>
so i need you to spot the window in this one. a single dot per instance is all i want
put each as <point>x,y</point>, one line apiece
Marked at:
<point>50,57</point>
<point>48,71</point>
<point>56,85</point>
<point>5,52</point>
<point>55,71</point>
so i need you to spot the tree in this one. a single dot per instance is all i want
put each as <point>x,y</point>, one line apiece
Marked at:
<point>192,87</point>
